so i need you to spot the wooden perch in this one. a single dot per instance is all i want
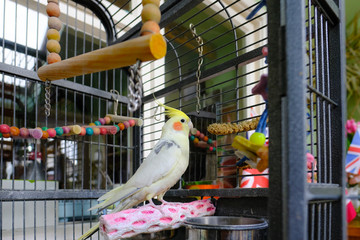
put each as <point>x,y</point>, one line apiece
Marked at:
<point>145,48</point>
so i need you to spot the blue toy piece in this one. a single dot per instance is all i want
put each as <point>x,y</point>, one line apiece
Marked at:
<point>261,4</point>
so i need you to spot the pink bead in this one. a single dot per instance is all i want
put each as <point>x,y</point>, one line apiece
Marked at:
<point>197,133</point>
<point>211,149</point>
<point>36,133</point>
<point>112,130</point>
<point>132,122</point>
<point>51,132</point>
<point>202,136</point>
<point>126,124</point>
<point>66,130</point>
<point>4,128</point>
<point>107,120</point>
<point>96,131</point>
<point>102,121</point>
<point>24,132</point>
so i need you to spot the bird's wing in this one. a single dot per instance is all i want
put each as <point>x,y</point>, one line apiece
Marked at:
<point>158,164</point>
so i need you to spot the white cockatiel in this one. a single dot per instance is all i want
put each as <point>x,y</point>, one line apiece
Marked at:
<point>163,167</point>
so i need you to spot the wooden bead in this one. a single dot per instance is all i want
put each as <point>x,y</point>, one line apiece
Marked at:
<point>96,131</point>
<point>55,23</point>
<point>45,135</point>
<point>156,2</point>
<point>149,27</point>
<point>53,46</point>
<point>53,34</point>
<point>6,135</point>
<point>151,12</point>
<point>53,58</point>
<point>121,126</point>
<point>107,120</point>
<point>53,10</point>
<point>14,131</point>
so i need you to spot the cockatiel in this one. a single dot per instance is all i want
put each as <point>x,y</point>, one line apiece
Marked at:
<point>163,167</point>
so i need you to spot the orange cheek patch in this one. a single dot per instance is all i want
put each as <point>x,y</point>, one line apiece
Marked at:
<point>177,126</point>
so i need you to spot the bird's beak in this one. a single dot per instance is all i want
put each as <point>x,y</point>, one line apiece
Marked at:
<point>190,124</point>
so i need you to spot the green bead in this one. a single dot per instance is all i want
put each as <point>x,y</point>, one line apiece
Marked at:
<point>117,127</point>
<point>97,123</point>
<point>192,137</point>
<point>44,128</point>
<point>209,141</point>
<point>0,135</point>
<point>258,138</point>
<point>59,131</point>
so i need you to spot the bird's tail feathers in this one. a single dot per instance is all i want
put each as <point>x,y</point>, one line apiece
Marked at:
<point>110,193</point>
<point>90,232</point>
<point>118,195</point>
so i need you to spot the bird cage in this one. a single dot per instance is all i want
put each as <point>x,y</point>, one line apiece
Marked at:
<point>216,54</point>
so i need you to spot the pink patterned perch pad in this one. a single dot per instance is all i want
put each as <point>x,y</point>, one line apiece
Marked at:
<point>148,219</point>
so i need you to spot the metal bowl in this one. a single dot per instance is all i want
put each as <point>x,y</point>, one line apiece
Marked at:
<point>226,228</point>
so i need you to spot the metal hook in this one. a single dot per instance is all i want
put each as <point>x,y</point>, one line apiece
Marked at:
<point>159,117</point>
<point>115,94</point>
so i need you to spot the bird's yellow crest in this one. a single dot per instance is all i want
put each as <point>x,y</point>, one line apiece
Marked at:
<point>172,112</point>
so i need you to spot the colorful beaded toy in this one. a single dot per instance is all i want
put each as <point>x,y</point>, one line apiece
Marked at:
<point>53,35</point>
<point>96,128</point>
<point>195,136</point>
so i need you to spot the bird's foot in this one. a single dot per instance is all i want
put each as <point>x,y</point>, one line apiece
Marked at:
<point>158,207</point>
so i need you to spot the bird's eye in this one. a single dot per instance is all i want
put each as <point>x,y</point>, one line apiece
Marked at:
<point>182,120</point>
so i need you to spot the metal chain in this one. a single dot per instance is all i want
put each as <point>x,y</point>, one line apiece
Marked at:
<point>47,97</point>
<point>200,62</point>
<point>135,87</point>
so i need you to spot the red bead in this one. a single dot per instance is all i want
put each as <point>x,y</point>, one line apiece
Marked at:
<point>4,128</point>
<point>51,132</point>
<point>103,131</point>
<point>211,148</point>
<point>132,122</point>
<point>197,133</point>
<point>264,51</point>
